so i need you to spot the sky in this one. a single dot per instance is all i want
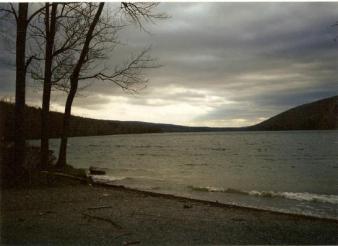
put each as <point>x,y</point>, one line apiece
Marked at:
<point>222,64</point>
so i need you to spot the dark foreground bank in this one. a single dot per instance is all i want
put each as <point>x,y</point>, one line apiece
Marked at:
<point>81,214</point>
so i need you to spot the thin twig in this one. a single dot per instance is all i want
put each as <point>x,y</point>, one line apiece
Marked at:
<point>103,219</point>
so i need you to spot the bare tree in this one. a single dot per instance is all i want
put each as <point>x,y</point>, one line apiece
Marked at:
<point>22,19</point>
<point>59,34</point>
<point>126,76</point>
<point>74,80</point>
<point>20,87</point>
<point>70,60</point>
<point>50,30</point>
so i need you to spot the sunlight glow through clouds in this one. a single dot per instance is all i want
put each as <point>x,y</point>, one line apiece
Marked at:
<point>180,106</point>
<point>180,113</point>
<point>238,122</point>
<point>171,104</point>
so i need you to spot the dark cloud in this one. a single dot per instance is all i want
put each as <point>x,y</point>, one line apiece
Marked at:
<point>224,63</point>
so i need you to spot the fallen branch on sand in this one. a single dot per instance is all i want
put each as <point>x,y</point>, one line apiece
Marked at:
<point>99,207</point>
<point>103,219</point>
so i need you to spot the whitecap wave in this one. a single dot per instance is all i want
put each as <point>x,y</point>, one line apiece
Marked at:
<point>106,178</point>
<point>109,179</point>
<point>304,196</point>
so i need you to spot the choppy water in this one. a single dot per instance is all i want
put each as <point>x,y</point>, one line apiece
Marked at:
<point>294,171</point>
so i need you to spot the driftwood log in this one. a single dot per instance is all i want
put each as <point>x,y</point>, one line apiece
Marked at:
<point>96,171</point>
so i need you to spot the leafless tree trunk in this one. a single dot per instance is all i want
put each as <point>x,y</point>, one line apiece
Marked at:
<point>74,80</point>
<point>50,27</point>
<point>20,90</point>
<point>22,21</point>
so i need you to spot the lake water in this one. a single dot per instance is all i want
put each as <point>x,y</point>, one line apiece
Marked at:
<point>295,172</point>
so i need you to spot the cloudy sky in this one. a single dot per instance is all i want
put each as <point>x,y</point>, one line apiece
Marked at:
<point>223,64</point>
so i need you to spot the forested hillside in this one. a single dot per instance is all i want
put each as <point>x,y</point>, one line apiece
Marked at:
<point>80,126</point>
<point>318,115</point>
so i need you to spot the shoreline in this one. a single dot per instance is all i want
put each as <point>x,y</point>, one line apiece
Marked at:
<point>88,179</point>
<point>213,203</point>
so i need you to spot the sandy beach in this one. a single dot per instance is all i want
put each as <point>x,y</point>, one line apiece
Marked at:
<point>81,214</point>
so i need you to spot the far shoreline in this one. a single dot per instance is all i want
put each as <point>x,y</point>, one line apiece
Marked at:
<point>320,115</point>
<point>201,132</point>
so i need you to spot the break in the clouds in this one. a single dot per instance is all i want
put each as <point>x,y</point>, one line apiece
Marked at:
<point>223,64</point>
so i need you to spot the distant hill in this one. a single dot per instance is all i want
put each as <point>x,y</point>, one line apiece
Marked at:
<point>319,115</point>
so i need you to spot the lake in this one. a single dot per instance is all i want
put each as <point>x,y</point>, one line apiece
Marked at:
<point>291,171</point>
